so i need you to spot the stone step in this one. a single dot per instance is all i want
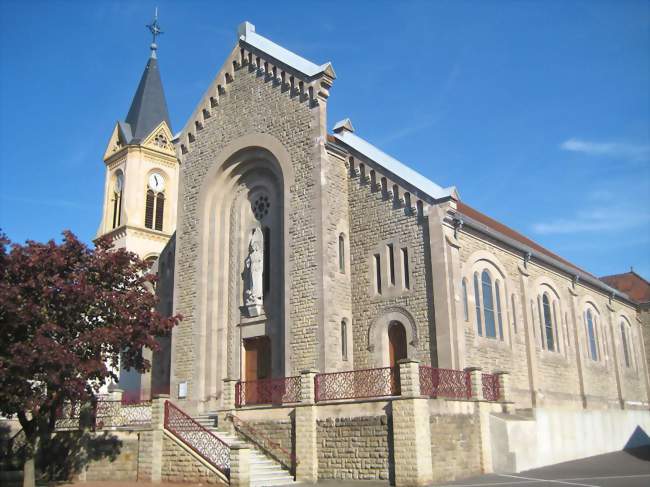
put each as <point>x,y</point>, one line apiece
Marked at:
<point>265,471</point>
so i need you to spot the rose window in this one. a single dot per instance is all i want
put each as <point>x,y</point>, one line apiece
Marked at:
<point>261,207</point>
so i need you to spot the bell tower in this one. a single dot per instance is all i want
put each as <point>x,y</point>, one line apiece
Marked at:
<point>141,185</point>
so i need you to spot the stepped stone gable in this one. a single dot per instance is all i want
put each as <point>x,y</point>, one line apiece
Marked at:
<point>251,104</point>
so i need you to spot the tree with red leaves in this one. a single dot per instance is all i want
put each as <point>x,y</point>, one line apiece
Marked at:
<point>69,316</point>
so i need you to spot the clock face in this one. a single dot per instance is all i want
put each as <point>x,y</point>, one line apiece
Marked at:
<point>156,182</point>
<point>119,183</point>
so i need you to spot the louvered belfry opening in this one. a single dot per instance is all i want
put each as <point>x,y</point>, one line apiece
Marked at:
<point>148,213</point>
<point>160,209</point>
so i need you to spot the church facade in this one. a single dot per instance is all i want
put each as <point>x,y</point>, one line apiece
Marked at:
<point>286,247</point>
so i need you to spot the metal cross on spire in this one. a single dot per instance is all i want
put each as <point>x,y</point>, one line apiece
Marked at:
<point>155,30</point>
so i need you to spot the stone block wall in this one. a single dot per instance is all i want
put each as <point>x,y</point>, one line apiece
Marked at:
<point>558,380</point>
<point>376,220</point>
<point>354,448</point>
<point>455,446</point>
<point>180,466</point>
<point>121,467</point>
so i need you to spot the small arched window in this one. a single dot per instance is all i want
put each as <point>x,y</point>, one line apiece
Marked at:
<point>341,253</point>
<point>344,340</point>
<point>548,323</point>
<point>463,286</point>
<point>591,335</point>
<point>488,304</point>
<point>624,341</point>
<point>477,300</point>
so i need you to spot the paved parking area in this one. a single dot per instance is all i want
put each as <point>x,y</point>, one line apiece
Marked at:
<point>619,469</point>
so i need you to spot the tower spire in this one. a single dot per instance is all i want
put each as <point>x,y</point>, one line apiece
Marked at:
<point>155,30</point>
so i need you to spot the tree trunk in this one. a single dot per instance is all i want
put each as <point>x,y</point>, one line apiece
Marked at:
<point>29,467</point>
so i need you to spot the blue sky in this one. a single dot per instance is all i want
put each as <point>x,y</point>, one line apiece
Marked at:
<point>538,111</point>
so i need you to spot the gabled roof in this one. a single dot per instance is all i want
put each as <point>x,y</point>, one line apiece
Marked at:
<point>631,283</point>
<point>345,135</point>
<point>148,108</point>
<point>248,35</point>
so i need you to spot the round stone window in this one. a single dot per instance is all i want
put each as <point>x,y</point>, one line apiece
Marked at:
<point>261,207</point>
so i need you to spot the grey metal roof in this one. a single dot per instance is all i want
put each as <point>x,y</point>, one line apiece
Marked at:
<point>344,133</point>
<point>149,106</point>
<point>246,32</point>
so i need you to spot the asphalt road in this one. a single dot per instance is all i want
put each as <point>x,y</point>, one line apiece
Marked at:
<point>619,469</point>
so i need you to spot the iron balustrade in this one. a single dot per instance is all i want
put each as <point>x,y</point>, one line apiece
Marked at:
<point>447,383</point>
<point>357,384</point>
<point>490,387</point>
<point>201,440</point>
<point>105,414</point>
<point>268,391</point>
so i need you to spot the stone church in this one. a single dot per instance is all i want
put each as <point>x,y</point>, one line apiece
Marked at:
<point>287,247</point>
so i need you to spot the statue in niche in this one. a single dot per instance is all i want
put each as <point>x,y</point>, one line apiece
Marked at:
<point>253,274</point>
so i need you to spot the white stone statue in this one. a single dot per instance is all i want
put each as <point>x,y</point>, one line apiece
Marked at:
<point>253,273</point>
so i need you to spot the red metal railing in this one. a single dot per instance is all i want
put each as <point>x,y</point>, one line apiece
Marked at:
<point>268,391</point>
<point>266,444</point>
<point>448,383</point>
<point>490,387</point>
<point>357,384</point>
<point>201,440</point>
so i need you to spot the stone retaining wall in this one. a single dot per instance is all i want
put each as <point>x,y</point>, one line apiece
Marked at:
<point>180,466</point>
<point>354,448</point>
<point>121,465</point>
<point>455,446</point>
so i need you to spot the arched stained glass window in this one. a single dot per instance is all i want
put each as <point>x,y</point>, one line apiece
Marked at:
<point>626,352</point>
<point>477,299</point>
<point>548,323</point>
<point>488,304</point>
<point>591,335</point>
<point>497,293</point>
<point>463,286</point>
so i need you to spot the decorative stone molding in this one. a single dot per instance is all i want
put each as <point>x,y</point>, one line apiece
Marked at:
<point>393,313</point>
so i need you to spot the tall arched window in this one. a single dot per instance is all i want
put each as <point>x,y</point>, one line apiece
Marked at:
<point>463,286</point>
<point>591,335</point>
<point>149,209</point>
<point>488,304</point>
<point>344,340</point>
<point>624,340</point>
<point>548,323</point>
<point>160,210</point>
<point>498,300</point>
<point>514,313</point>
<point>117,199</point>
<point>477,300</point>
<point>341,253</point>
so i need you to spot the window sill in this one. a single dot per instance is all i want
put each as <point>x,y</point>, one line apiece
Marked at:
<point>553,357</point>
<point>494,343</point>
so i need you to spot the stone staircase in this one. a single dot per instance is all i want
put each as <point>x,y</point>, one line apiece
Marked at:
<point>264,470</point>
